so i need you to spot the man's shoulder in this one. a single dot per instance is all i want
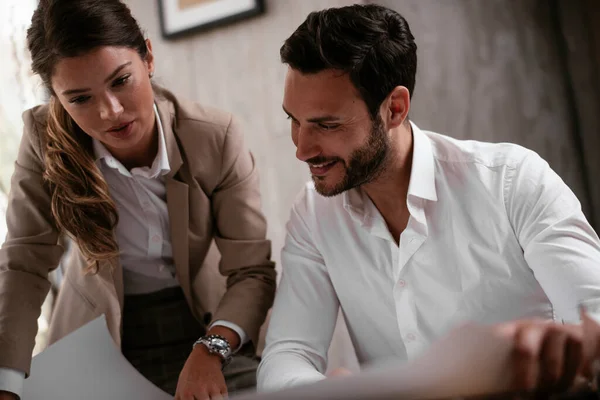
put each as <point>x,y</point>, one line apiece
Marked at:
<point>450,150</point>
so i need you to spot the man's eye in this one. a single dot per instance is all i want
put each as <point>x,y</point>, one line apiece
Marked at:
<point>328,127</point>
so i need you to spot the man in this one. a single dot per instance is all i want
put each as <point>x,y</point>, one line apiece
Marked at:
<point>411,232</point>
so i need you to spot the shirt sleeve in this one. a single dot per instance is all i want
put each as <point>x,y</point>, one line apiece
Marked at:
<point>303,317</point>
<point>236,328</point>
<point>31,250</point>
<point>559,245</point>
<point>12,381</point>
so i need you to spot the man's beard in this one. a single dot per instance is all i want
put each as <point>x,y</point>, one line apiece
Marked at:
<point>365,165</point>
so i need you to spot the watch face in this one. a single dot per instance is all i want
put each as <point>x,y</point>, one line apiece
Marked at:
<point>219,344</point>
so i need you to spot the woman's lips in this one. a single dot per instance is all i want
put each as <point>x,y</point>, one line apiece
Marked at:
<point>121,131</point>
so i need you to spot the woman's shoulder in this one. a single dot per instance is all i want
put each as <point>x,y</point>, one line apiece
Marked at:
<point>194,117</point>
<point>34,124</point>
<point>35,117</point>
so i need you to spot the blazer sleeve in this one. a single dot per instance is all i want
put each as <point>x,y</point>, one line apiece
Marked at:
<point>241,238</point>
<point>29,253</point>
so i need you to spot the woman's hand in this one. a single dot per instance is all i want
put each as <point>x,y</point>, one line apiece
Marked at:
<point>8,396</point>
<point>201,377</point>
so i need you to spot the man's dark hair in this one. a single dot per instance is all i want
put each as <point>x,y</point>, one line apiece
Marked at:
<point>371,43</point>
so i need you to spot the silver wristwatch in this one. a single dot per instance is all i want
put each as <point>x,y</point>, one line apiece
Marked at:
<point>218,345</point>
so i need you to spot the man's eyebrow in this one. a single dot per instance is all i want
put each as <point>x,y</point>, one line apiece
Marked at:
<point>287,112</point>
<point>315,120</point>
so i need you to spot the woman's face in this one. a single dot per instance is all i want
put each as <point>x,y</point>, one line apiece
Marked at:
<point>108,93</point>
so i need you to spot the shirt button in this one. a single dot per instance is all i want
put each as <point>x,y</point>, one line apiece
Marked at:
<point>401,283</point>
<point>145,204</point>
<point>156,238</point>
<point>410,337</point>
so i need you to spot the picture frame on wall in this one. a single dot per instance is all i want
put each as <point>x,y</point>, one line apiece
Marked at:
<point>181,17</point>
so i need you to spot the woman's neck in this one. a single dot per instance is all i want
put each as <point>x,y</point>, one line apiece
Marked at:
<point>142,155</point>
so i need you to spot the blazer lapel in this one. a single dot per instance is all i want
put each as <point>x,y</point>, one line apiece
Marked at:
<point>177,197</point>
<point>178,206</point>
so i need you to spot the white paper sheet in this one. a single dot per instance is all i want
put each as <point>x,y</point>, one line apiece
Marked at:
<point>470,361</point>
<point>87,365</point>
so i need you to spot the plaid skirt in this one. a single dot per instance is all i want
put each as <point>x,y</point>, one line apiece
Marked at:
<point>158,333</point>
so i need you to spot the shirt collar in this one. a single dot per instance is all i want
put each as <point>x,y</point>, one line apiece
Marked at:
<point>421,184</point>
<point>160,165</point>
<point>422,175</point>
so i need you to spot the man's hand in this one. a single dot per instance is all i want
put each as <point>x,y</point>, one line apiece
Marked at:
<point>201,377</point>
<point>547,357</point>
<point>339,372</point>
<point>8,396</point>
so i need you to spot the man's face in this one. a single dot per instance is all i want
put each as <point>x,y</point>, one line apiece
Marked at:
<point>333,131</point>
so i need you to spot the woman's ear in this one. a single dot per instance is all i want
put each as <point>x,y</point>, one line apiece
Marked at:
<point>149,58</point>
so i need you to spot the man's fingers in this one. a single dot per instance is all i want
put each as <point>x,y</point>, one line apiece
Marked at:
<point>526,355</point>
<point>552,359</point>
<point>574,360</point>
<point>591,344</point>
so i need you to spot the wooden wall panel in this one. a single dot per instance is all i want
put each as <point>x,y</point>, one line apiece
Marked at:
<point>491,70</point>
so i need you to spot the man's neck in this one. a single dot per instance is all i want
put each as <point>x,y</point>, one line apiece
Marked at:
<point>389,191</point>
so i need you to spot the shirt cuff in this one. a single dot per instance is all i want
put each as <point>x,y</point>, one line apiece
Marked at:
<point>243,337</point>
<point>11,381</point>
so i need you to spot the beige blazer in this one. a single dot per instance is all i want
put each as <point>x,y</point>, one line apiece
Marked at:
<point>212,195</point>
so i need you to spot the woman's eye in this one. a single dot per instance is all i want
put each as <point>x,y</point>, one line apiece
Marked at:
<point>79,100</point>
<point>122,80</point>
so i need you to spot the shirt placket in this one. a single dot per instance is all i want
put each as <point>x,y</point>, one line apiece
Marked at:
<point>410,241</point>
<point>153,226</point>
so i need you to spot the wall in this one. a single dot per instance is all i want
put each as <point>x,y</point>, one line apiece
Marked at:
<point>20,89</point>
<point>580,45</point>
<point>491,70</point>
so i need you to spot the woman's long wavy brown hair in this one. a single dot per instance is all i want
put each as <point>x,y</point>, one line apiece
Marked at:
<point>81,203</point>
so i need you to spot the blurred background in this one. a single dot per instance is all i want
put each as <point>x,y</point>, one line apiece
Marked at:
<point>521,71</point>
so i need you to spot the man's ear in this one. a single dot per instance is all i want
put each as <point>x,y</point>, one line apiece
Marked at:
<point>396,106</point>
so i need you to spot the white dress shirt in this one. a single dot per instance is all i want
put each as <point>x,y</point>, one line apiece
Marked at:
<point>143,228</point>
<point>493,235</point>
<point>142,232</point>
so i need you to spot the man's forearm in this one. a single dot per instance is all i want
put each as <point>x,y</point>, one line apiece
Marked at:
<point>284,370</point>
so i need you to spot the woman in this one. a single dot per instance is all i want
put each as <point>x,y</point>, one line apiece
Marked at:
<point>142,182</point>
